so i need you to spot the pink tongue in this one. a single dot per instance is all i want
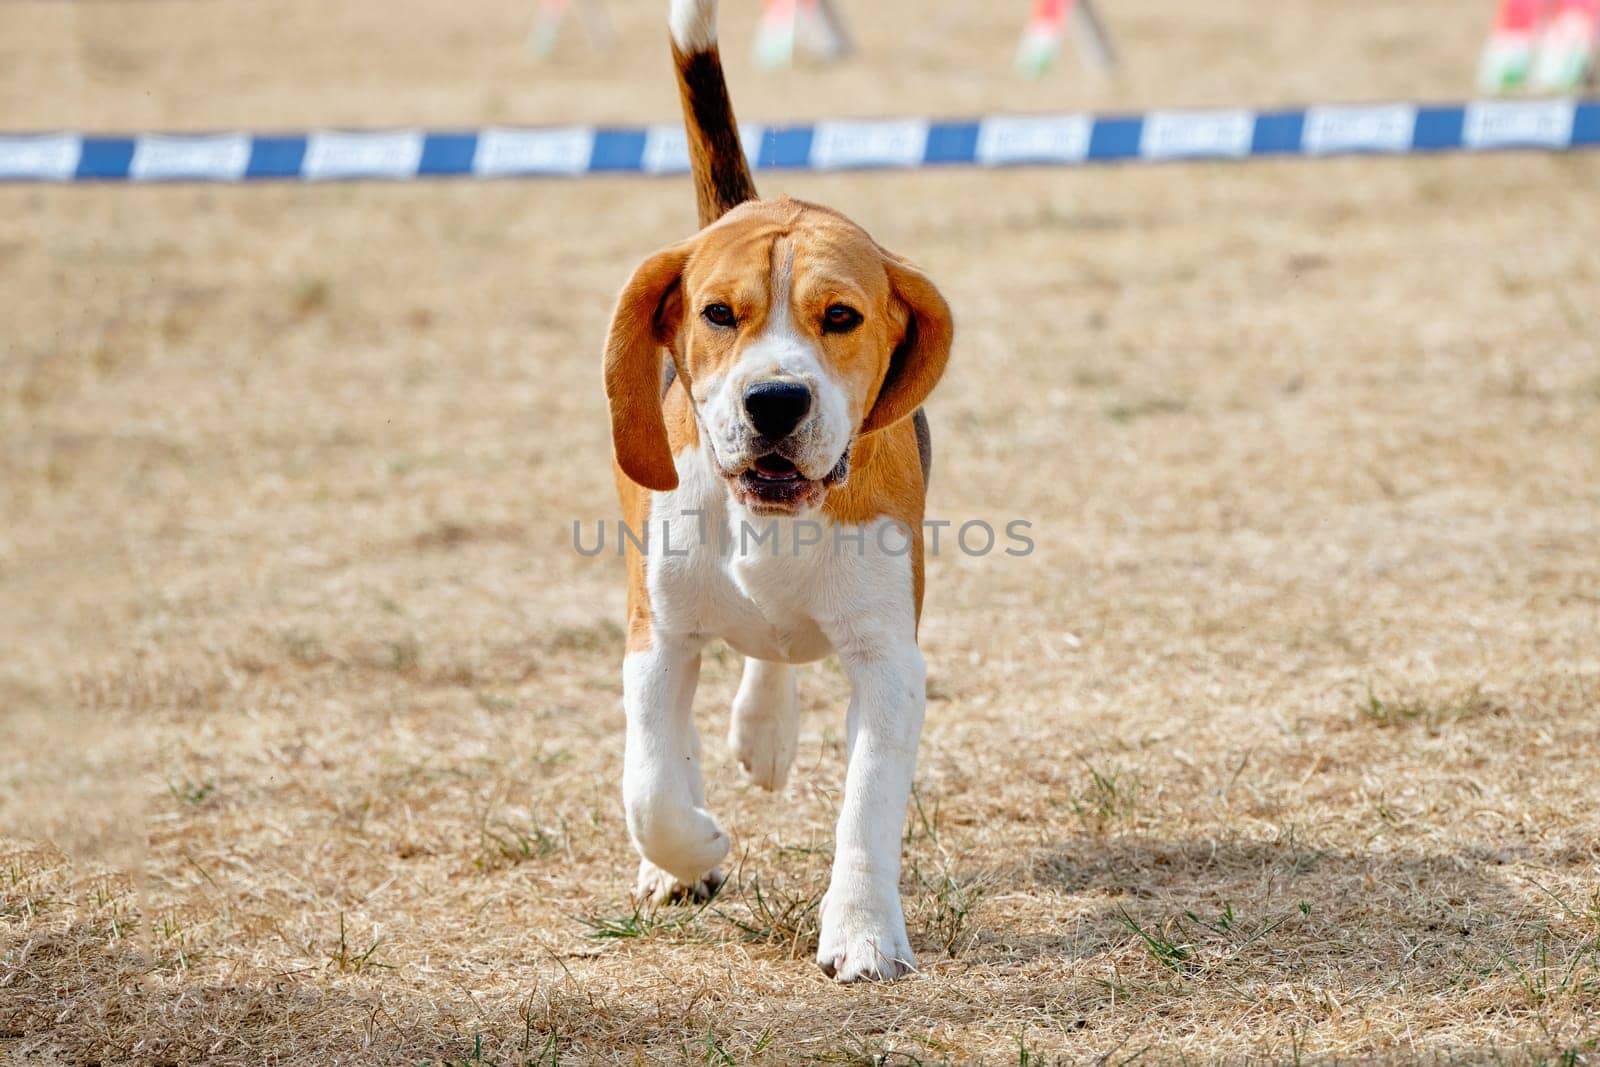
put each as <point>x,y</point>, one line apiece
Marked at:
<point>776,467</point>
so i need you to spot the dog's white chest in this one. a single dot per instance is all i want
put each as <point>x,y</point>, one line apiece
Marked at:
<point>761,584</point>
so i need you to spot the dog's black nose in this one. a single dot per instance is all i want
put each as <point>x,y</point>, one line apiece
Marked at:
<point>776,408</point>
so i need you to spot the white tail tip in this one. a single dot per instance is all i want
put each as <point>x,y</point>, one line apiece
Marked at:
<point>694,24</point>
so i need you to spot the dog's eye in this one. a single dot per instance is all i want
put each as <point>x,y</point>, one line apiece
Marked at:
<point>719,315</point>
<point>840,318</point>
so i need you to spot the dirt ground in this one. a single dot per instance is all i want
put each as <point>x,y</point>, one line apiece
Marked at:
<point>1281,745</point>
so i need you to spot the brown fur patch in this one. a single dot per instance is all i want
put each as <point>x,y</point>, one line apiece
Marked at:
<point>647,313</point>
<point>678,419</point>
<point>716,155</point>
<point>885,482</point>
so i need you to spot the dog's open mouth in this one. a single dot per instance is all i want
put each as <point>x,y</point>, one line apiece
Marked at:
<point>773,468</point>
<point>774,483</point>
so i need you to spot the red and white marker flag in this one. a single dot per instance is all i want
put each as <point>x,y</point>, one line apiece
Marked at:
<point>1508,54</point>
<point>1049,22</point>
<point>1566,57</point>
<point>814,24</point>
<point>1548,45</point>
<point>1041,37</point>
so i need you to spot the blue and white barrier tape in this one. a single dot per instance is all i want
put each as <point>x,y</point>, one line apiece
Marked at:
<point>1062,140</point>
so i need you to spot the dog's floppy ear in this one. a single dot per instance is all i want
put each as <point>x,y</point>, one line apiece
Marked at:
<point>646,320</point>
<point>919,358</point>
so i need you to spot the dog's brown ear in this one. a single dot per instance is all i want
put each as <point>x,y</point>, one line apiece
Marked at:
<point>646,320</point>
<point>922,352</point>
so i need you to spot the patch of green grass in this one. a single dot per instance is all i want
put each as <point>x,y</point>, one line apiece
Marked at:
<point>1392,712</point>
<point>549,1054</point>
<point>1544,979</point>
<point>924,825</point>
<point>601,636</point>
<point>860,1050</point>
<point>349,961</point>
<point>303,649</point>
<point>1094,378</point>
<point>1110,794</point>
<point>1237,935</point>
<point>945,907</point>
<point>494,701</point>
<point>712,1052</point>
<point>1132,410</point>
<point>1221,938</point>
<point>1471,703</point>
<point>103,894</point>
<point>188,791</point>
<point>539,1049</point>
<point>513,843</point>
<point>1586,913</point>
<point>473,1058</point>
<point>777,916</point>
<point>24,903</point>
<point>1571,1056</point>
<point>400,655</point>
<point>1173,955</point>
<point>643,922</point>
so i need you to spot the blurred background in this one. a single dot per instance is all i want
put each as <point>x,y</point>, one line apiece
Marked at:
<point>210,64</point>
<point>309,725</point>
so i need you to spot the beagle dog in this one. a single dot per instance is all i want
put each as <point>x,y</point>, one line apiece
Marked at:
<point>772,473</point>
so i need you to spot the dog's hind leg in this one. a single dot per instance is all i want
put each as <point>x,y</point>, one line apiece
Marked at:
<point>765,731</point>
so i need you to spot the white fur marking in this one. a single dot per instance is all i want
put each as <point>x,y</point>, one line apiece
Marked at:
<point>849,590</point>
<point>863,932</point>
<point>662,792</point>
<point>782,283</point>
<point>694,25</point>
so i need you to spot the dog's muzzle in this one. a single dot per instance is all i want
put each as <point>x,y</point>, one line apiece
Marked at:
<point>776,469</point>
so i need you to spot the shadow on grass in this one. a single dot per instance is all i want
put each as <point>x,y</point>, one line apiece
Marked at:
<point>1151,926</point>
<point>1286,911</point>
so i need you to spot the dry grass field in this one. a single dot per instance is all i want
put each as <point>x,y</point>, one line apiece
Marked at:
<point>1283,745</point>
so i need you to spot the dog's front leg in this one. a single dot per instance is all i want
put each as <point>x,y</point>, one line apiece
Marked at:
<point>662,791</point>
<point>863,926</point>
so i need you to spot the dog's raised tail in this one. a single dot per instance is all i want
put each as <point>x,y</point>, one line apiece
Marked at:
<point>721,173</point>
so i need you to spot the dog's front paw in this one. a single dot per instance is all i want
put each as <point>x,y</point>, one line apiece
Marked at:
<point>656,887</point>
<point>675,835</point>
<point>863,938</point>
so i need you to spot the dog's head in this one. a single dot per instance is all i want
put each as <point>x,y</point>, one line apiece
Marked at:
<point>792,330</point>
